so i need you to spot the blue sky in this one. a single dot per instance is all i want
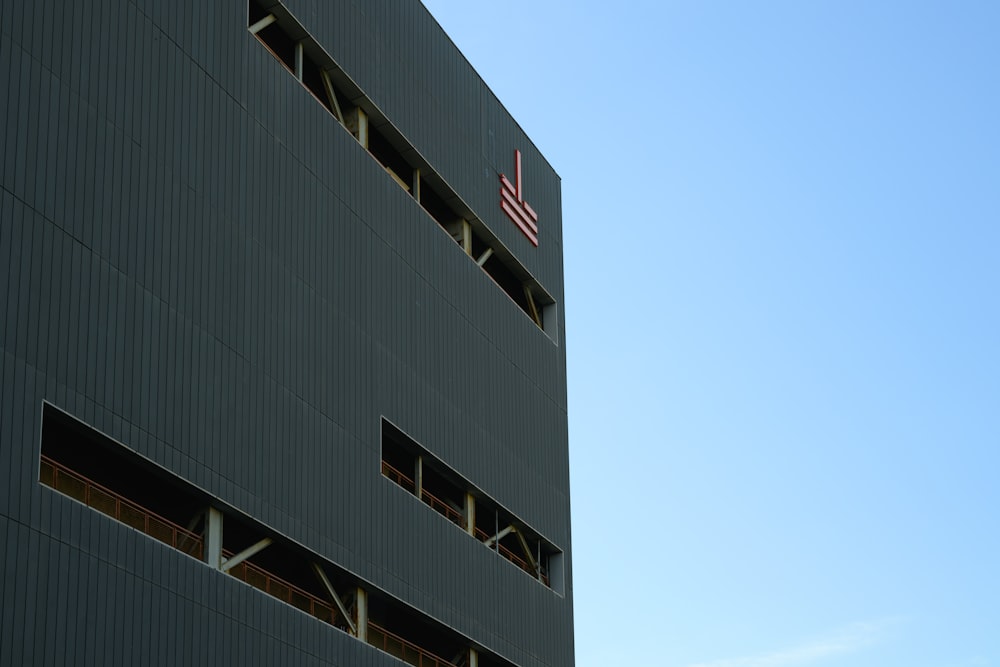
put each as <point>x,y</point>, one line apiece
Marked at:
<point>782,252</point>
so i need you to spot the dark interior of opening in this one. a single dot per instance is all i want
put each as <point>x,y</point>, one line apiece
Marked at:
<point>442,489</point>
<point>436,207</point>
<point>98,458</point>
<point>398,452</point>
<point>254,13</point>
<point>86,452</point>
<point>280,44</point>
<point>401,452</point>
<point>389,157</point>
<point>401,622</point>
<point>507,281</point>
<point>478,246</point>
<point>278,559</point>
<point>487,520</point>
<point>312,80</point>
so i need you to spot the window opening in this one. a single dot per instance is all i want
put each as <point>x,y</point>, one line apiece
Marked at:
<point>308,63</point>
<point>87,466</point>
<point>435,206</point>
<point>282,571</point>
<point>405,464</point>
<point>444,498</point>
<point>503,533</point>
<point>390,159</point>
<point>398,464</point>
<point>410,466</point>
<point>406,636</point>
<point>78,461</point>
<point>280,44</point>
<point>314,80</point>
<point>509,283</point>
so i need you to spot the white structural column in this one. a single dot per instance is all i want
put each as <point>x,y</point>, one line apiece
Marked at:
<point>473,658</point>
<point>357,123</point>
<point>299,61</point>
<point>418,477</point>
<point>361,606</point>
<point>467,238</point>
<point>363,128</point>
<point>213,537</point>
<point>470,514</point>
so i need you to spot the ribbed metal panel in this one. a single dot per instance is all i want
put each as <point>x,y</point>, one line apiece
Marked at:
<point>398,54</point>
<point>197,260</point>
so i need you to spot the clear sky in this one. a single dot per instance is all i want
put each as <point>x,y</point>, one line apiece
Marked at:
<point>782,252</point>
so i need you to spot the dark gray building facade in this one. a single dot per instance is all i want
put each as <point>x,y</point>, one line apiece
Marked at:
<point>282,357</point>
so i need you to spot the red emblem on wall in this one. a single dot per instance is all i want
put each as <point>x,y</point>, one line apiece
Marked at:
<point>515,207</point>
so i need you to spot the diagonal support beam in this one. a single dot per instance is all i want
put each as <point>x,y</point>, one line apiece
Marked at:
<point>499,536</point>
<point>531,305</point>
<point>331,95</point>
<point>485,256</point>
<point>527,552</point>
<point>263,23</point>
<point>236,559</point>
<point>336,598</point>
<point>192,524</point>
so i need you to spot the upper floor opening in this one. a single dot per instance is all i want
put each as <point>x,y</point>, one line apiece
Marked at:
<point>306,60</point>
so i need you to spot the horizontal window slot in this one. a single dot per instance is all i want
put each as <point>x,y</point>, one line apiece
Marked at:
<point>306,60</point>
<point>78,461</point>
<point>413,468</point>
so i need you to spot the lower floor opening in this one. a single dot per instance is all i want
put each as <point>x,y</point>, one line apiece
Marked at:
<point>78,461</point>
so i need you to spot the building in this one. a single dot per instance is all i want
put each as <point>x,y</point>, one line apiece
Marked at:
<point>281,347</point>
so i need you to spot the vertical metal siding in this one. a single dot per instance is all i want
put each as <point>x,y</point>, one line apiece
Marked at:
<point>201,263</point>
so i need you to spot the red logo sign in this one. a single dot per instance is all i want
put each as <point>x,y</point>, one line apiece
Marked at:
<point>515,207</point>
